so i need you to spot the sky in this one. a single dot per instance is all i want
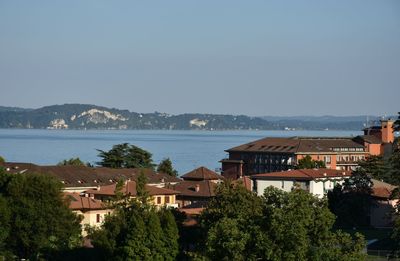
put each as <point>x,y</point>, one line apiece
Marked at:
<point>236,57</point>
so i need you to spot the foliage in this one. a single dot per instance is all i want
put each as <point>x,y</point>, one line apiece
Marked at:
<point>135,233</point>
<point>2,160</point>
<point>308,163</point>
<point>72,162</point>
<point>41,220</point>
<point>165,166</point>
<point>126,156</point>
<point>278,226</point>
<point>351,202</point>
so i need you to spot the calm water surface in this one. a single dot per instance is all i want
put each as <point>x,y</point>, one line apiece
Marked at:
<point>186,149</point>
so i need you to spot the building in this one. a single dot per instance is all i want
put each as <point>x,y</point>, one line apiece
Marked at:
<point>281,154</point>
<point>197,188</point>
<point>160,197</point>
<point>93,211</point>
<point>316,181</point>
<point>81,178</point>
<point>383,207</point>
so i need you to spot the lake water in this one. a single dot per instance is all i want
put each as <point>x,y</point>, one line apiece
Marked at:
<point>186,149</point>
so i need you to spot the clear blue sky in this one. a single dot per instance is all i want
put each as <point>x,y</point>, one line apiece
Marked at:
<point>237,57</point>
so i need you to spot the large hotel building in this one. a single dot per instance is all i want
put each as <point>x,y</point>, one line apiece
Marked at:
<point>280,154</point>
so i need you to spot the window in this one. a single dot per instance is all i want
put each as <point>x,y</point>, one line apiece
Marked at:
<point>166,199</point>
<point>158,200</point>
<point>98,218</point>
<point>327,159</point>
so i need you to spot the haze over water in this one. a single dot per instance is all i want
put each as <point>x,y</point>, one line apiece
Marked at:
<point>186,149</point>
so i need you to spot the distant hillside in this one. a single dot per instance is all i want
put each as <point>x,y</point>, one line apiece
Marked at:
<point>84,116</point>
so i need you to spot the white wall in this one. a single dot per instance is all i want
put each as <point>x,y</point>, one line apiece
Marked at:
<point>316,186</point>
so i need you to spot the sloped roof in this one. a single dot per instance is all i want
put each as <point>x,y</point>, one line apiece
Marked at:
<point>370,139</point>
<point>302,174</point>
<point>77,202</point>
<point>382,189</point>
<point>297,145</point>
<point>129,188</point>
<point>206,188</point>
<point>82,176</point>
<point>202,173</point>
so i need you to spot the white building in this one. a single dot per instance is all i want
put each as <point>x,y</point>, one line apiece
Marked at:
<point>316,181</point>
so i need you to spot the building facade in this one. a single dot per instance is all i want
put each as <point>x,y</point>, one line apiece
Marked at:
<point>281,154</point>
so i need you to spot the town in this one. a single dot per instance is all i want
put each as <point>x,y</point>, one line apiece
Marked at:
<point>345,187</point>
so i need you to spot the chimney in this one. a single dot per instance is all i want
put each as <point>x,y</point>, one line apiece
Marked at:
<point>197,188</point>
<point>387,131</point>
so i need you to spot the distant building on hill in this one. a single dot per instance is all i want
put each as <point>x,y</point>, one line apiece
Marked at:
<point>281,154</point>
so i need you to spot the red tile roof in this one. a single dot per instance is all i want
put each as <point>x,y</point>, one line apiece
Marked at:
<point>187,188</point>
<point>82,176</point>
<point>129,188</point>
<point>303,174</point>
<point>202,173</point>
<point>382,189</point>
<point>297,145</point>
<point>77,202</point>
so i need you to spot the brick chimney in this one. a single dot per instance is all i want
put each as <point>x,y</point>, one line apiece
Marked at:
<point>387,131</point>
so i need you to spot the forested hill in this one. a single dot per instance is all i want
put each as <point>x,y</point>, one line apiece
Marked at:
<point>84,116</point>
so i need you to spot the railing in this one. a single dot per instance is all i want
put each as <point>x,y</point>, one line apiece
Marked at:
<point>383,255</point>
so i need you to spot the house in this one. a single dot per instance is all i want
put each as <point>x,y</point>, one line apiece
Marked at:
<point>197,187</point>
<point>81,178</point>
<point>160,197</point>
<point>383,207</point>
<point>281,154</point>
<point>316,181</point>
<point>93,211</point>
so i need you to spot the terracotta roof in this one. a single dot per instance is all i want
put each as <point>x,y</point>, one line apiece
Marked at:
<point>244,181</point>
<point>77,202</point>
<point>369,139</point>
<point>187,188</point>
<point>129,188</point>
<point>297,145</point>
<point>202,173</point>
<point>303,174</point>
<point>382,189</point>
<point>82,176</point>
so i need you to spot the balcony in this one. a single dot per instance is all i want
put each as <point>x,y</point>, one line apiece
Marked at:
<point>347,162</point>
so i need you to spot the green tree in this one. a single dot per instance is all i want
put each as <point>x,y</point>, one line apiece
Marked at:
<point>135,233</point>
<point>171,234</point>
<point>278,226</point>
<point>351,202</point>
<point>5,220</point>
<point>308,163</point>
<point>165,166</point>
<point>41,220</point>
<point>126,156</point>
<point>72,162</point>
<point>2,160</point>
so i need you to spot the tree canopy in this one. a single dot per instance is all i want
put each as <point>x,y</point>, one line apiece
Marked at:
<point>137,232</point>
<point>72,162</point>
<point>126,156</point>
<point>308,163</point>
<point>41,220</point>
<point>351,202</point>
<point>166,167</point>
<point>295,225</point>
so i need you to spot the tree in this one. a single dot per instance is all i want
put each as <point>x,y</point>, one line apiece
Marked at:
<point>377,167</point>
<point>278,226</point>
<point>351,202</point>
<point>165,166</point>
<point>126,156</point>
<point>171,234</point>
<point>41,220</point>
<point>308,163</point>
<point>2,160</point>
<point>72,162</point>
<point>135,233</point>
